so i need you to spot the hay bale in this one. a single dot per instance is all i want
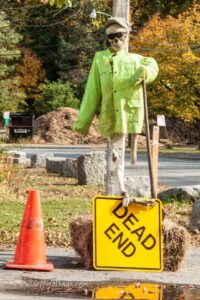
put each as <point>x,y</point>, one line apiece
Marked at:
<point>195,217</point>
<point>81,239</point>
<point>176,241</point>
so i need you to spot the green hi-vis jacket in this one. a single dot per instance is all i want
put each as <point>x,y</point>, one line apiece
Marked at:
<point>114,90</point>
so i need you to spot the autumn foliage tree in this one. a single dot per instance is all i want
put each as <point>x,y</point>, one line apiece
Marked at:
<point>59,3</point>
<point>174,43</point>
<point>31,77</point>
<point>10,95</point>
<point>65,39</point>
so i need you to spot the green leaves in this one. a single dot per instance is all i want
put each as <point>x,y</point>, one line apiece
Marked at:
<point>177,89</point>
<point>61,3</point>
<point>52,2</point>
<point>56,94</point>
<point>11,96</point>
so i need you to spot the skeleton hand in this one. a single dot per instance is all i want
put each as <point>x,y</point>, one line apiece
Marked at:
<point>140,75</point>
<point>143,74</point>
<point>127,201</point>
<point>131,200</point>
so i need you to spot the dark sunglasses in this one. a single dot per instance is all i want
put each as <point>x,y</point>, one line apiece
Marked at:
<point>112,36</point>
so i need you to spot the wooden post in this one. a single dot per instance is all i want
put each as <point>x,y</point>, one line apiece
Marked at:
<point>154,153</point>
<point>134,140</point>
<point>146,121</point>
<point>116,144</point>
<point>121,8</point>
<point>134,143</point>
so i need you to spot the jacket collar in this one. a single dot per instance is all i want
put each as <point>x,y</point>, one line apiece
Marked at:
<point>112,52</point>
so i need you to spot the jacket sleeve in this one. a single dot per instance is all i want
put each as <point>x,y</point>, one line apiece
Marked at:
<point>91,100</point>
<point>148,70</point>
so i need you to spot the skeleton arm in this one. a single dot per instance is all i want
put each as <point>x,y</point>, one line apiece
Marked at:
<point>91,101</point>
<point>148,71</point>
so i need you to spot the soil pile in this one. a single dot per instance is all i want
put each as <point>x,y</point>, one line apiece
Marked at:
<point>57,127</point>
<point>179,132</point>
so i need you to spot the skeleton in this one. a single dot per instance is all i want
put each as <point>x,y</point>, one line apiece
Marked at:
<point>114,83</point>
<point>118,37</point>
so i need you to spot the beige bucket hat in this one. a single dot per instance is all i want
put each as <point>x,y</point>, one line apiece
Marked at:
<point>118,21</point>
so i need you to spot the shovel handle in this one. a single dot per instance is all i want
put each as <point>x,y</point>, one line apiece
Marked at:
<point>146,118</point>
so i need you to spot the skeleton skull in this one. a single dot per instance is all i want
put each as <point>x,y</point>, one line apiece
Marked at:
<point>117,37</point>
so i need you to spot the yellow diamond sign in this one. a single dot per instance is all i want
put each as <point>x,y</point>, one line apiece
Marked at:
<point>127,237</point>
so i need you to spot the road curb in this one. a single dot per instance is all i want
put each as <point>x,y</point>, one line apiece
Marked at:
<point>67,275</point>
<point>167,154</point>
<point>180,155</point>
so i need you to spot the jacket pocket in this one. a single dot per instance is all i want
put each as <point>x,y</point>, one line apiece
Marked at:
<point>134,115</point>
<point>134,99</point>
<point>133,103</point>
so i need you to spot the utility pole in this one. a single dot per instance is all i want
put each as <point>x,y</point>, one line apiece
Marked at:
<point>116,144</point>
<point>121,8</point>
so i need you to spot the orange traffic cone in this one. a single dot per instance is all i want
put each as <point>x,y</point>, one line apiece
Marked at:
<point>31,249</point>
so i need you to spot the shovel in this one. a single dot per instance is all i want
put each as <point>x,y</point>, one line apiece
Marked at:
<point>133,200</point>
<point>146,119</point>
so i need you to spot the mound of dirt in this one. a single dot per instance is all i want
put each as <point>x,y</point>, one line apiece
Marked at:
<point>57,127</point>
<point>179,132</point>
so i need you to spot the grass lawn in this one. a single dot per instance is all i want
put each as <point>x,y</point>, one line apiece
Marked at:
<point>56,215</point>
<point>62,199</point>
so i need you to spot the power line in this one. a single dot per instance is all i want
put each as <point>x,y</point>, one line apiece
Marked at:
<point>168,43</point>
<point>22,8</point>
<point>60,22</point>
<point>43,18</point>
<point>166,50</point>
<point>65,20</point>
<point>43,26</point>
<point>41,47</point>
<point>183,47</point>
<point>138,49</point>
<point>34,26</point>
<point>53,24</point>
<point>57,23</point>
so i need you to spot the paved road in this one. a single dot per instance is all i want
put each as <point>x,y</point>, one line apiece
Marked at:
<point>67,275</point>
<point>172,171</point>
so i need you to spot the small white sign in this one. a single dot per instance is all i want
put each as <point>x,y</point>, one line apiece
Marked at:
<point>6,115</point>
<point>161,120</point>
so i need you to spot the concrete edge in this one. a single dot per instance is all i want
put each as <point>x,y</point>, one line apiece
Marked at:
<point>43,286</point>
<point>167,154</point>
